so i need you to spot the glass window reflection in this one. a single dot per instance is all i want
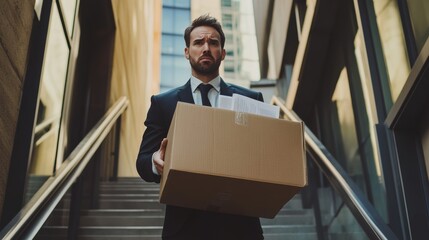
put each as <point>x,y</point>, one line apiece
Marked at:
<point>51,94</point>
<point>174,67</point>
<point>393,43</point>
<point>419,10</point>
<point>68,10</point>
<point>167,20</point>
<point>167,44</point>
<point>348,152</point>
<point>181,21</point>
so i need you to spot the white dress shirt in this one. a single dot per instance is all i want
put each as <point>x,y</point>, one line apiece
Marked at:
<point>213,93</point>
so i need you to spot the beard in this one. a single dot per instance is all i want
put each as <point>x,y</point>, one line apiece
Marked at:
<point>205,69</point>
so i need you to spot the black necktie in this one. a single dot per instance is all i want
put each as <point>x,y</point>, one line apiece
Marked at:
<point>204,89</point>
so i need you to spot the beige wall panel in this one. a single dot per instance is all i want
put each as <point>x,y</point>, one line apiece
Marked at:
<point>135,71</point>
<point>200,7</point>
<point>261,9</point>
<point>16,20</point>
<point>277,39</point>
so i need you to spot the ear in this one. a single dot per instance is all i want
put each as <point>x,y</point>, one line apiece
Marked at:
<point>186,53</point>
<point>223,54</point>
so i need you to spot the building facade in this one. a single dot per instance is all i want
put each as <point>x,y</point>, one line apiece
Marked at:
<point>356,73</point>
<point>63,64</point>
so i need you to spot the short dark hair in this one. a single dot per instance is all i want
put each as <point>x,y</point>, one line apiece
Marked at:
<point>204,20</point>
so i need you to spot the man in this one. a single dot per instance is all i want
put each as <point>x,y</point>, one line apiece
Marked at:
<point>205,51</point>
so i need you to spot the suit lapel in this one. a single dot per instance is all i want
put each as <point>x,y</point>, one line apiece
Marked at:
<point>225,89</point>
<point>185,93</point>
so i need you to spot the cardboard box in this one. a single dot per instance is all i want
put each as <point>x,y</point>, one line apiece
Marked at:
<point>229,162</point>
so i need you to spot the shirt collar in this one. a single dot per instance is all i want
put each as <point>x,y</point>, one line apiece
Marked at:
<point>215,82</point>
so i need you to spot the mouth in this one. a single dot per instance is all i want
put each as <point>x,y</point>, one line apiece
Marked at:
<point>206,58</point>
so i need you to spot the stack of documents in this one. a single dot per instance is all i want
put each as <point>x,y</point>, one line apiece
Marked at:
<point>240,103</point>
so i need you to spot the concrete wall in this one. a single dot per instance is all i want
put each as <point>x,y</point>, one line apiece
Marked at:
<point>16,21</point>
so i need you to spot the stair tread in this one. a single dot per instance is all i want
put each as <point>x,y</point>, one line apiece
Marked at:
<point>134,204</point>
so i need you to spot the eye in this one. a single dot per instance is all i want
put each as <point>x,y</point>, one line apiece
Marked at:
<point>198,42</point>
<point>214,42</point>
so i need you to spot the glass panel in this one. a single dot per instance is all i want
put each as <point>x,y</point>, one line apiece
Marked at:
<point>179,45</point>
<point>179,4</point>
<point>337,219</point>
<point>166,73</point>
<point>182,19</point>
<point>169,3</point>
<point>50,99</point>
<point>346,113</point>
<point>348,150</point>
<point>331,214</point>
<point>173,44</point>
<point>175,70</point>
<point>182,70</point>
<point>393,43</point>
<point>68,10</point>
<point>167,44</point>
<point>374,166</point>
<point>167,20</point>
<point>419,10</point>
<point>182,3</point>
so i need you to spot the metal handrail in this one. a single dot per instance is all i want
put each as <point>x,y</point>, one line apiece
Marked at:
<point>361,208</point>
<point>46,198</point>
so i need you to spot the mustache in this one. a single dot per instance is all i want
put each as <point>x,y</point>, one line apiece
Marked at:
<point>209,55</point>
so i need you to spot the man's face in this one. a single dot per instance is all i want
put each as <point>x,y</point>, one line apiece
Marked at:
<point>205,52</point>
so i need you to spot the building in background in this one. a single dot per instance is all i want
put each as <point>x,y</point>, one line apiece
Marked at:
<point>175,70</point>
<point>241,62</point>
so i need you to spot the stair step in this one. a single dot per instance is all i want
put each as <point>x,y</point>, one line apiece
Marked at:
<point>128,237</point>
<point>110,220</point>
<point>294,236</point>
<point>154,220</point>
<point>348,235</point>
<point>290,220</point>
<point>126,212</point>
<point>125,203</point>
<point>129,196</point>
<point>280,229</point>
<point>61,231</point>
<point>129,209</point>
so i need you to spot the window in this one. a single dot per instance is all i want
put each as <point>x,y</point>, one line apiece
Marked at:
<point>419,10</point>
<point>174,67</point>
<point>393,44</point>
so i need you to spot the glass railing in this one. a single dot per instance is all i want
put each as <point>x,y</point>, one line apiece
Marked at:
<point>340,208</point>
<point>27,223</point>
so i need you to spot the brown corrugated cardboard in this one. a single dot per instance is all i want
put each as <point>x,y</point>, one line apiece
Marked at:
<point>230,162</point>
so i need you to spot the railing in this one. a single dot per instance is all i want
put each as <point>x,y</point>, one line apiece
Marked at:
<point>362,210</point>
<point>30,219</point>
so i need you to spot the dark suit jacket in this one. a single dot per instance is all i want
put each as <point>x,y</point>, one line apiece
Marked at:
<point>184,223</point>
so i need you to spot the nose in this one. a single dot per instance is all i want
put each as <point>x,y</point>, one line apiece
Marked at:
<point>205,47</point>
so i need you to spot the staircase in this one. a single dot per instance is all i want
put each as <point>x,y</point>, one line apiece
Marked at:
<point>129,209</point>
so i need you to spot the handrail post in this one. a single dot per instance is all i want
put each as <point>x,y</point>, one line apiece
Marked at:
<point>116,150</point>
<point>75,207</point>
<point>312,175</point>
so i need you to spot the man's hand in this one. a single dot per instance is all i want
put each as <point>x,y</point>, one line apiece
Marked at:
<point>158,157</point>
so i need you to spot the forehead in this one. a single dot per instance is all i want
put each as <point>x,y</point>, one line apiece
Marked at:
<point>204,31</point>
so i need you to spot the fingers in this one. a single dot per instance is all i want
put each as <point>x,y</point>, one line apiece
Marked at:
<point>159,157</point>
<point>162,148</point>
<point>159,165</point>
